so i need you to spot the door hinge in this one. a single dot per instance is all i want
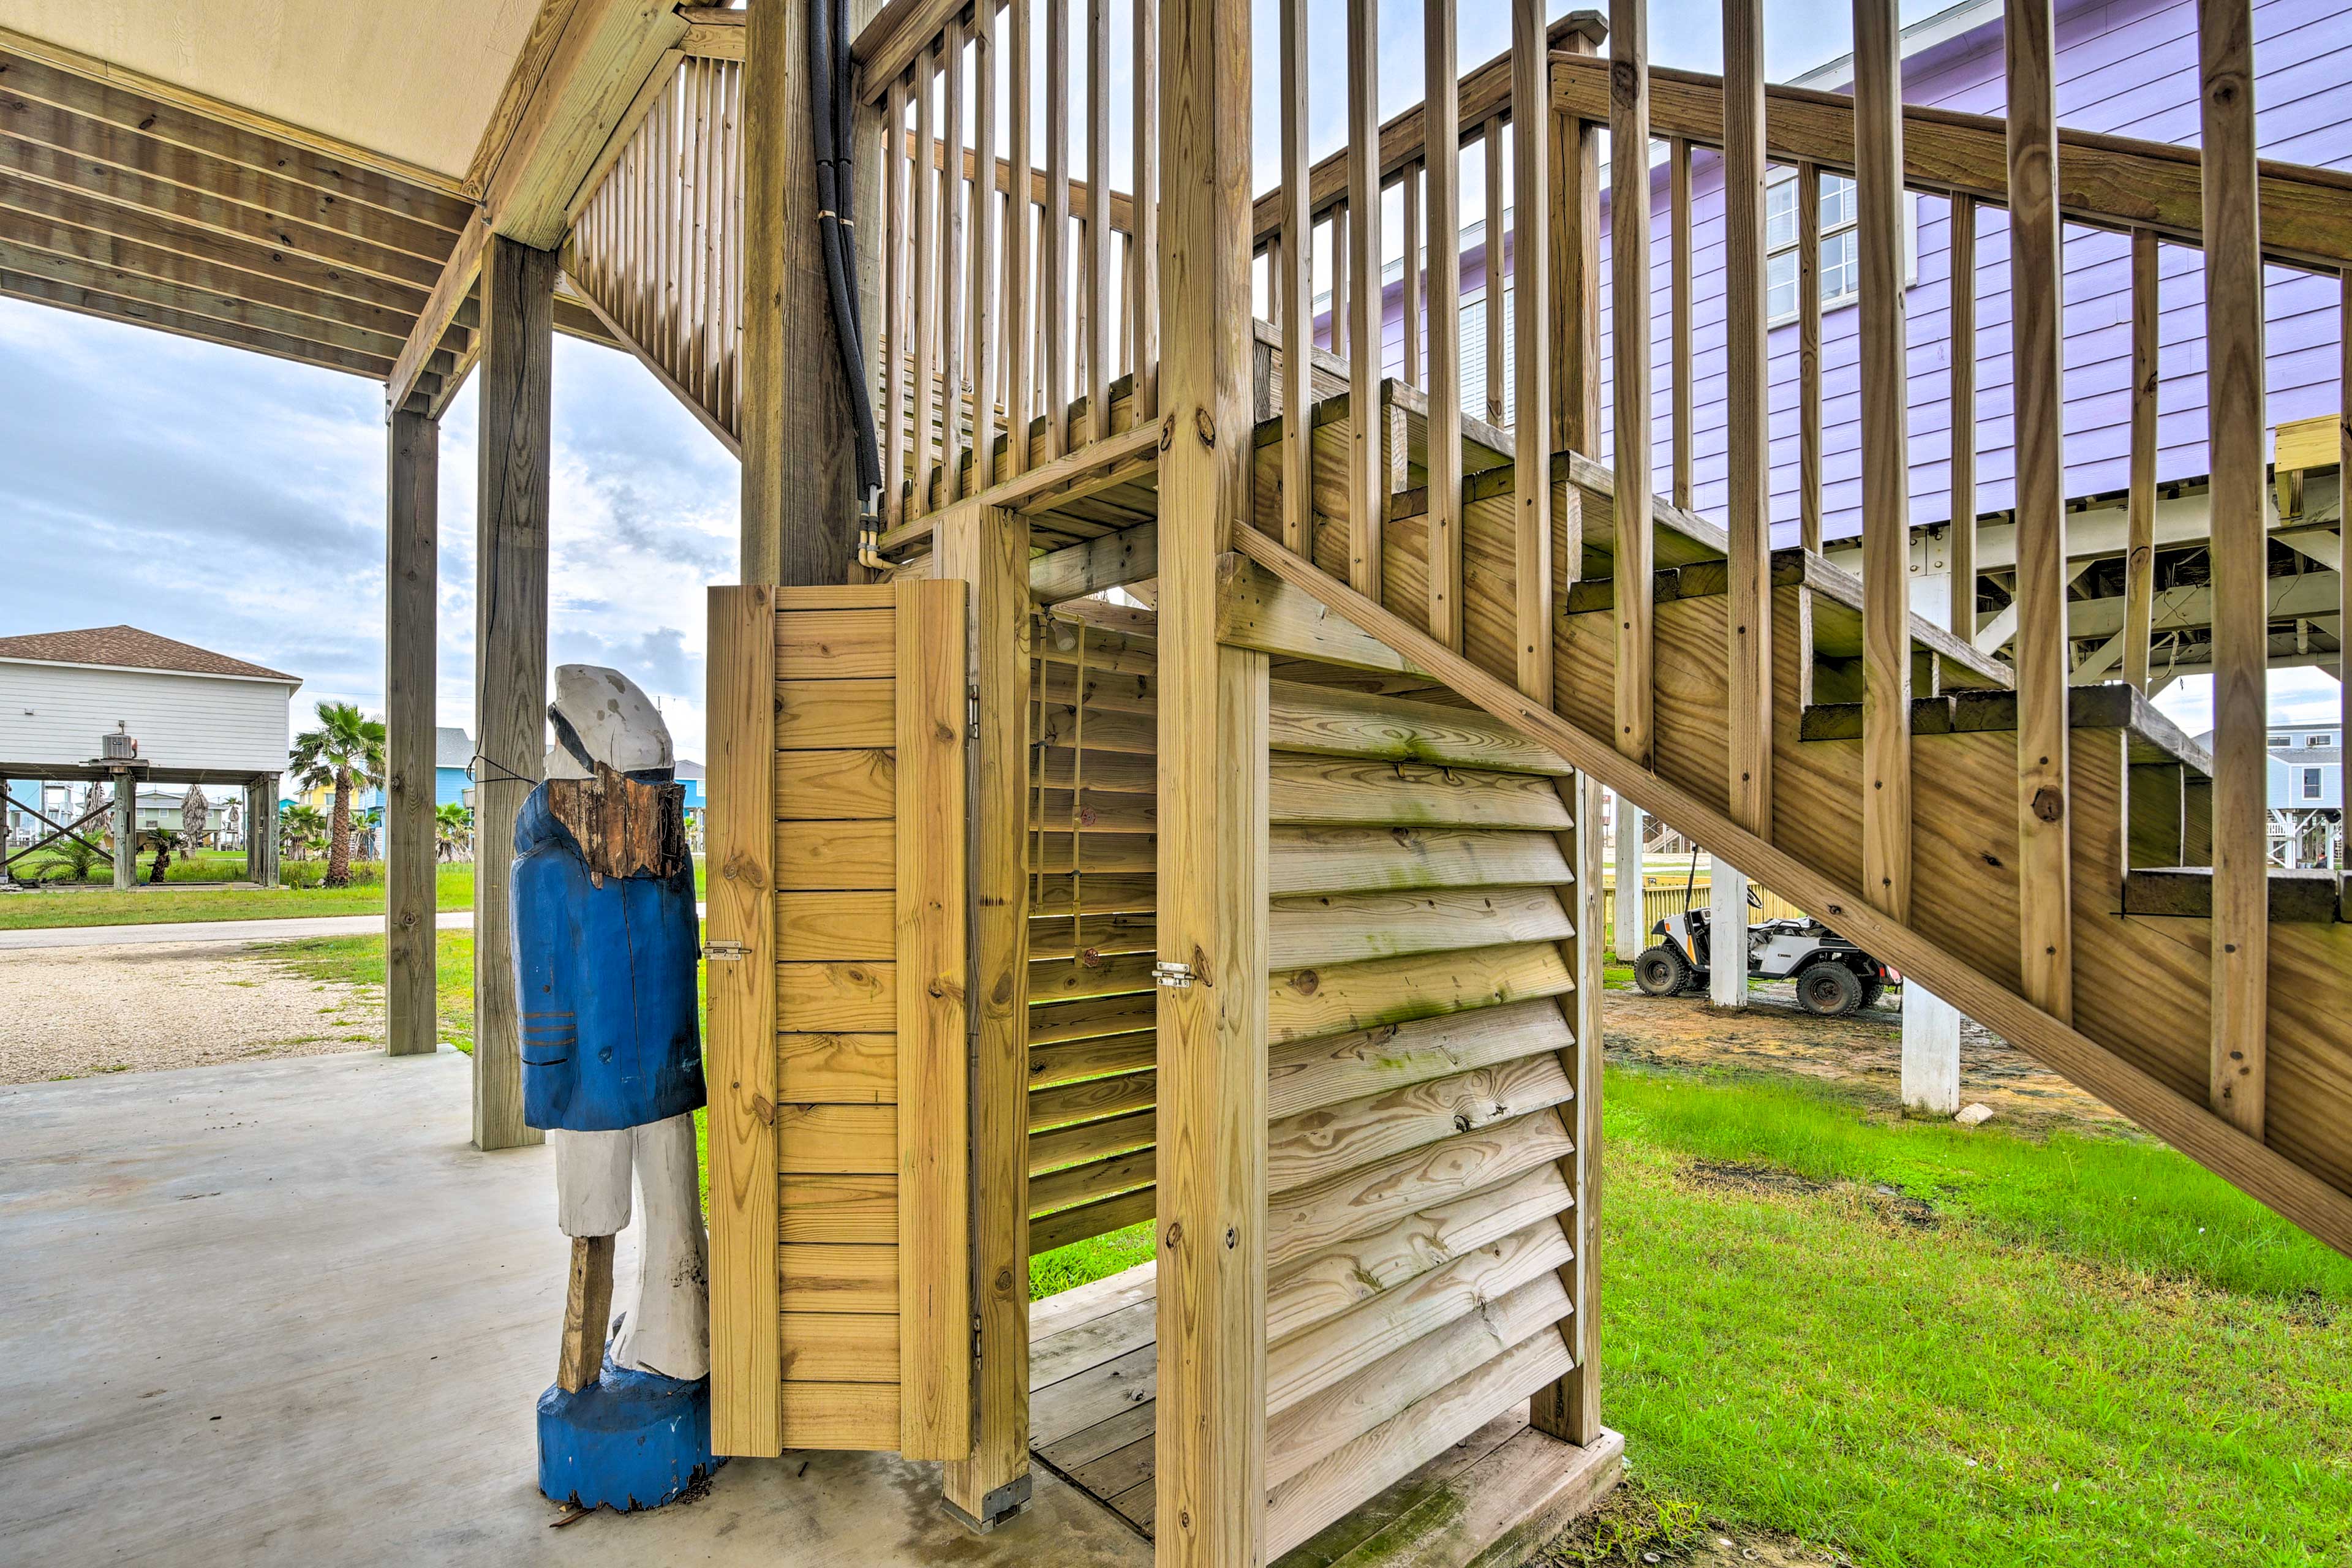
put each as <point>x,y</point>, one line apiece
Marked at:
<point>1169,972</point>
<point>728,950</point>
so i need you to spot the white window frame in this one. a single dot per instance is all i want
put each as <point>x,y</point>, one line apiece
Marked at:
<point>1831,232</point>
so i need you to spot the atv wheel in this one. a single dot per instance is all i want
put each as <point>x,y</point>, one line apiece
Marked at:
<point>1661,972</point>
<point>1828,990</point>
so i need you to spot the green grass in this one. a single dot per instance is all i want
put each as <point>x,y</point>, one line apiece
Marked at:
<point>173,902</point>
<point>1083,1262</point>
<point>1922,1345</point>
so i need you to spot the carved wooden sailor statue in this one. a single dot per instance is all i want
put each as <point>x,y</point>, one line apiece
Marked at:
<point>606,942</point>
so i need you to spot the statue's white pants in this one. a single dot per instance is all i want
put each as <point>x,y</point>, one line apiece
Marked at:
<point>666,1327</point>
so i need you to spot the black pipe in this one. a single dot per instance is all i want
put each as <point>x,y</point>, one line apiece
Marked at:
<point>830,90</point>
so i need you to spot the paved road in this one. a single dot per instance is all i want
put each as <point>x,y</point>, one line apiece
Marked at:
<point>215,930</point>
<point>220,931</point>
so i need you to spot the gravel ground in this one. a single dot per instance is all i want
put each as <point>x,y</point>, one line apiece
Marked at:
<point>72,1012</point>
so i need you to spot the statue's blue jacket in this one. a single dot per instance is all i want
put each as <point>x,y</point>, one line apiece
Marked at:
<point>605,980</point>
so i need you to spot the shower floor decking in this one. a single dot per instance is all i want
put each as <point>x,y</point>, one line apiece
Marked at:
<point>1494,1497</point>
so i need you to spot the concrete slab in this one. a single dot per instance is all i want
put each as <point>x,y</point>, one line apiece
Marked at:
<point>282,1313</point>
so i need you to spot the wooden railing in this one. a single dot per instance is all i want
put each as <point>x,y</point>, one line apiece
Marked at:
<point>1010,291</point>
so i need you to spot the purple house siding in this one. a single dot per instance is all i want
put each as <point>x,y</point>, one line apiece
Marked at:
<point>2127,67</point>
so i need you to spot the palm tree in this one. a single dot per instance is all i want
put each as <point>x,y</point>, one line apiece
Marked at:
<point>347,749</point>
<point>454,827</point>
<point>300,827</point>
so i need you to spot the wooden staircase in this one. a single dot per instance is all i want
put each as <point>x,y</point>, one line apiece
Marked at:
<point>2139,801</point>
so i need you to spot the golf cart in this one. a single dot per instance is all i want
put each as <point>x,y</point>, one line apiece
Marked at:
<point>1833,976</point>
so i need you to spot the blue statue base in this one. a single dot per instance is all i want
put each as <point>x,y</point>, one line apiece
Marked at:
<point>629,1440</point>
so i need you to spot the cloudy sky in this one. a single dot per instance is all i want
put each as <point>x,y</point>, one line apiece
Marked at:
<point>237,502</point>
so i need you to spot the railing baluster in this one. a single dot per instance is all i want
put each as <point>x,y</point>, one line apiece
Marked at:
<point>1296,284</point>
<point>1020,215</point>
<point>1442,121</point>
<point>1144,406</point>
<point>2045,865</point>
<point>1809,355</point>
<point>1886,477</point>
<point>1962,545</point>
<point>1530,332</point>
<point>1054,286</point>
<point>1747,517</point>
<point>1366,465</point>
<point>986,249</point>
<point>897,246</point>
<point>1096,292</point>
<point>925,187</point>
<point>2234,327</point>
<point>1629,242</point>
<point>1410,306</point>
<point>1678,214</point>
<point>2139,558</point>
<point>1493,140</point>
<point>1340,251</point>
<point>952,274</point>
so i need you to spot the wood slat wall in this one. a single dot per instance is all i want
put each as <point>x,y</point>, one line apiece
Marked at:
<point>1421,1005</point>
<point>1092,786</point>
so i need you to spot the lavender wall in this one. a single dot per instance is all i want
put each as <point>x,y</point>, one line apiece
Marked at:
<point>2127,67</point>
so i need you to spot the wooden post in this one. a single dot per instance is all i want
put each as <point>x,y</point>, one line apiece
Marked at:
<point>1886,460</point>
<point>2234,318</point>
<point>1211,856</point>
<point>799,461</point>
<point>990,550</point>
<point>411,836</point>
<point>518,330</point>
<point>2044,869</point>
<point>1629,240</point>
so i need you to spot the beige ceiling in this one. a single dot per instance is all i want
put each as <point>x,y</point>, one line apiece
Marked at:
<point>414,79</point>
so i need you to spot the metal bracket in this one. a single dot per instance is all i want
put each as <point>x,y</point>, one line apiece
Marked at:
<point>1168,972</point>
<point>728,950</point>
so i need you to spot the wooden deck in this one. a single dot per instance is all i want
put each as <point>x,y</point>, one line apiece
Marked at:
<point>1491,1499</point>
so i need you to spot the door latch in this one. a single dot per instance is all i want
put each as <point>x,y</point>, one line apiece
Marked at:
<point>728,950</point>
<point>1171,972</point>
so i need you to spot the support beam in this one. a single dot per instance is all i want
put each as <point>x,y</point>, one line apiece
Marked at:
<point>2233,316</point>
<point>1726,934</point>
<point>800,465</point>
<point>509,647</point>
<point>1633,932</point>
<point>1212,919</point>
<point>988,548</point>
<point>411,836</point>
<point>126,830</point>
<point>1931,1051</point>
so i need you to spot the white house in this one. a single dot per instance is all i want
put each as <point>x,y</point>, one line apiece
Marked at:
<point>196,717</point>
<point>191,710</point>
